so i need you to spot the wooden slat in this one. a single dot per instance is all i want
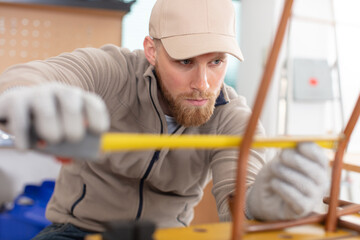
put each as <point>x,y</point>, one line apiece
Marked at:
<point>331,220</point>
<point>239,203</point>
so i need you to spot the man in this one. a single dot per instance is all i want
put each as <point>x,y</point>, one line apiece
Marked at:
<point>175,86</point>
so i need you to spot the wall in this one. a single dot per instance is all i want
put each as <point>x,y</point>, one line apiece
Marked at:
<point>306,39</point>
<point>348,32</point>
<point>135,24</point>
<point>259,20</point>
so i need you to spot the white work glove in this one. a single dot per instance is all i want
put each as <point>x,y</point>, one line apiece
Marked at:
<point>58,112</point>
<point>290,185</point>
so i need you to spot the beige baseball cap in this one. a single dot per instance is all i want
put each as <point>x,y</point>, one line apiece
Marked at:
<point>188,28</point>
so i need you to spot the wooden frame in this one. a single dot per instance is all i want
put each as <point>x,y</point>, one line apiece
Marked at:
<point>331,218</point>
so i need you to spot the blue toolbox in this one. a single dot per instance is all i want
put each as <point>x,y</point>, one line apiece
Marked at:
<point>24,218</point>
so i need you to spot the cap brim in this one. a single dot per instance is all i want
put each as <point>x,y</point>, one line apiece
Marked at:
<point>192,45</point>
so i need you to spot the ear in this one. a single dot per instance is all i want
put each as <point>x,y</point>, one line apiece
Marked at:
<point>150,50</point>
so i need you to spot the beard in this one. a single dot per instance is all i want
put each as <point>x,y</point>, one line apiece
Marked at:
<point>186,115</point>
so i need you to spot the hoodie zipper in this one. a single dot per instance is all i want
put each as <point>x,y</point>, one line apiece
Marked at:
<point>151,164</point>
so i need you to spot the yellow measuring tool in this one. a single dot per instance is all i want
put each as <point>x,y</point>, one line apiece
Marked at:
<point>121,141</point>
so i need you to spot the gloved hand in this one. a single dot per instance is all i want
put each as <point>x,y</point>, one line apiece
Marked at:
<point>57,111</point>
<point>290,185</point>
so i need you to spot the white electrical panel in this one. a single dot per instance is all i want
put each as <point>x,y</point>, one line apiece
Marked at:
<point>312,80</point>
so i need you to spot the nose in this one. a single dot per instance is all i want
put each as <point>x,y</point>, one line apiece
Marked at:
<point>200,81</point>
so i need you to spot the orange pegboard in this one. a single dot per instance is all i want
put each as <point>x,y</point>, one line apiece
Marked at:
<point>30,32</point>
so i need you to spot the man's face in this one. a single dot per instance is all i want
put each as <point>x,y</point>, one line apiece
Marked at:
<point>190,87</point>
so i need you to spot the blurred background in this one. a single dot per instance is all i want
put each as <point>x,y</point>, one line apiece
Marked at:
<point>314,88</point>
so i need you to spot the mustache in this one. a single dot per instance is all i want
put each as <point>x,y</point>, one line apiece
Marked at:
<point>197,95</point>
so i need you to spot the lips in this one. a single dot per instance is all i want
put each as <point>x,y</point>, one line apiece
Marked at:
<point>197,102</point>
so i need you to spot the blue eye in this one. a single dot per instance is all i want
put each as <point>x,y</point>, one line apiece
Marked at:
<point>218,61</point>
<point>185,62</point>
